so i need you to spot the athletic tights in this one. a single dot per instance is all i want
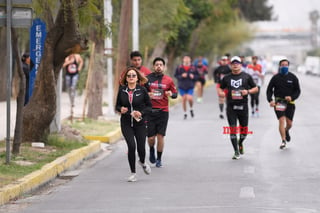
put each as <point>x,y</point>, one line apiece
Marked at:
<point>135,137</point>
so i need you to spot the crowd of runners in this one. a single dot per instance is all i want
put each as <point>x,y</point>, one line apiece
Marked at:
<point>143,100</point>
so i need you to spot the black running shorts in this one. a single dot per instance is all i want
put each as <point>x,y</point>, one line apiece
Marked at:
<point>157,123</point>
<point>288,112</point>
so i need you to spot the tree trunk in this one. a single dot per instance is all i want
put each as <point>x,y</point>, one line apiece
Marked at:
<point>62,40</point>
<point>123,42</point>
<point>95,92</point>
<point>170,66</point>
<point>21,96</point>
<point>3,68</point>
<point>158,51</point>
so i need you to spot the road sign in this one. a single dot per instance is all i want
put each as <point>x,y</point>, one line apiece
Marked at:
<point>17,1</point>
<point>21,17</point>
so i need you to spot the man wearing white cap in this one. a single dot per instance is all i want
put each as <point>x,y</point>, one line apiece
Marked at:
<point>239,85</point>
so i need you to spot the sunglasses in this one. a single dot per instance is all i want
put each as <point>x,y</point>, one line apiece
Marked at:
<point>131,76</point>
<point>235,63</point>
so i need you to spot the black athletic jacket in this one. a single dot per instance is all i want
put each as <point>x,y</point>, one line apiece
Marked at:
<point>283,85</point>
<point>140,102</point>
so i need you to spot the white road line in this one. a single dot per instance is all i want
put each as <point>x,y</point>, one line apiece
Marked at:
<point>247,192</point>
<point>249,170</point>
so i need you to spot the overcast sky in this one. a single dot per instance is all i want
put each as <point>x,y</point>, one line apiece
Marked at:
<point>294,13</point>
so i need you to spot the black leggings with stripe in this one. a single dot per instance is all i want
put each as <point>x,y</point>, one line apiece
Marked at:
<point>135,137</point>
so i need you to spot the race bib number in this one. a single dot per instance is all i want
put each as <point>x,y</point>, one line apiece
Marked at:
<point>281,106</point>
<point>236,95</point>
<point>238,107</point>
<point>72,68</point>
<point>157,94</point>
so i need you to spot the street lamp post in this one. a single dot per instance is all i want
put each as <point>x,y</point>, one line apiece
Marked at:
<point>108,52</point>
<point>12,17</point>
<point>9,79</point>
<point>135,25</point>
<point>314,17</point>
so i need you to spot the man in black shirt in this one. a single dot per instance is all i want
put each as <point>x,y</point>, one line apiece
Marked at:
<point>239,84</point>
<point>218,75</point>
<point>285,88</point>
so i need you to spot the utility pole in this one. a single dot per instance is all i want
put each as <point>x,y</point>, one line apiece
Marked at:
<point>9,78</point>
<point>135,25</point>
<point>314,17</point>
<point>109,53</point>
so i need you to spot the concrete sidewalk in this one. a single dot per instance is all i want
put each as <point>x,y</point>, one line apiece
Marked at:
<point>60,165</point>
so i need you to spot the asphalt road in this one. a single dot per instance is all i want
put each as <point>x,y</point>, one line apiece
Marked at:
<point>198,173</point>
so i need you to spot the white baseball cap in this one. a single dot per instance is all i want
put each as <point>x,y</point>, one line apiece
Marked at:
<point>235,58</point>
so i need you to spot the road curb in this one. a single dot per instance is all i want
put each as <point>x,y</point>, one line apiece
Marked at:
<point>48,172</point>
<point>111,137</point>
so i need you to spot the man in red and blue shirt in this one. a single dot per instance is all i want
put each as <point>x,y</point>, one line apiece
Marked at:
<point>186,75</point>
<point>160,87</point>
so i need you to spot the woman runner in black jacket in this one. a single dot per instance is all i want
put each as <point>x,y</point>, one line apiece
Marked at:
<point>133,103</point>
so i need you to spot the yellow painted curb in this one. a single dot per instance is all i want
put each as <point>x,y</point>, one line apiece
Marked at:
<point>47,172</point>
<point>111,137</point>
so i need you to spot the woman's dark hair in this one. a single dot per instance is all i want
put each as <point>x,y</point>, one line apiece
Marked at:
<point>25,56</point>
<point>141,78</point>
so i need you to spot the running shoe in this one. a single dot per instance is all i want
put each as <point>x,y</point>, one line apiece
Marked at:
<point>132,177</point>
<point>283,145</point>
<point>185,116</point>
<point>158,163</point>
<point>241,149</point>
<point>152,157</point>
<point>221,116</point>
<point>288,138</point>
<point>236,156</point>
<point>191,113</point>
<point>146,168</point>
<point>257,113</point>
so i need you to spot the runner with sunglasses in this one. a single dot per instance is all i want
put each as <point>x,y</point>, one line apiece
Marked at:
<point>133,103</point>
<point>239,85</point>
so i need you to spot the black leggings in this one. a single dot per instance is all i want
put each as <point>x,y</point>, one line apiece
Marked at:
<point>135,137</point>
<point>255,99</point>
<point>242,117</point>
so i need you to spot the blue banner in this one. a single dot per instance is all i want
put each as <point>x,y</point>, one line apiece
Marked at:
<point>37,38</point>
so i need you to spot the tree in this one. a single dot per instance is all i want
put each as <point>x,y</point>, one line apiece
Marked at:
<point>220,32</point>
<point>255,10</point>
<point>157,31</point>
<point>63,38</point>
<point>21,95</point>
<point>123,42</point>
<point>3,69</point>
<point>92,25</point>
<point>200,10</point>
